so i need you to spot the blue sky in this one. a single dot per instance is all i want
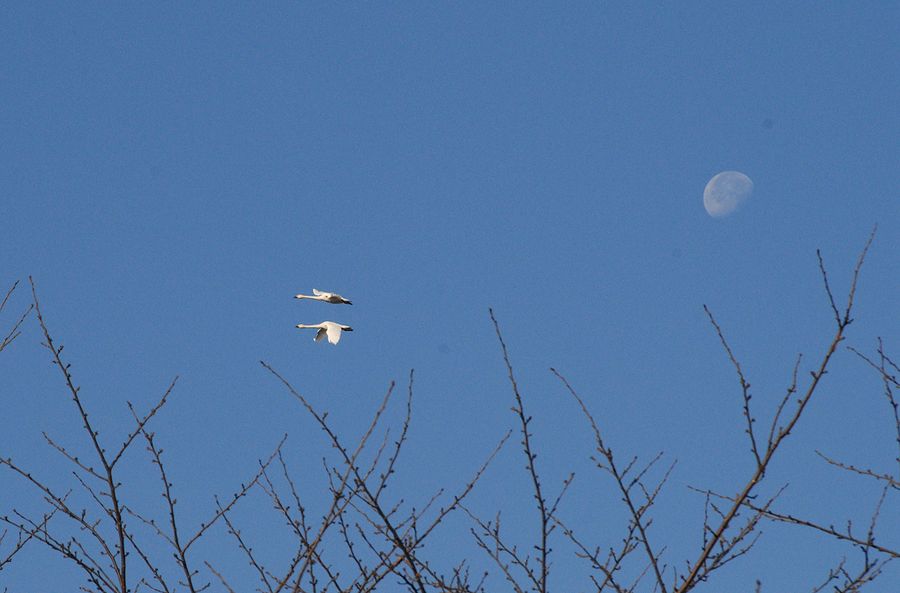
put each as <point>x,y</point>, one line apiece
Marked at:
<point>171,175</point>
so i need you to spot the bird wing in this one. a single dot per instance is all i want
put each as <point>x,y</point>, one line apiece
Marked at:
<point>334,333</point>
<point>318,292</point>
<point>321,334</point>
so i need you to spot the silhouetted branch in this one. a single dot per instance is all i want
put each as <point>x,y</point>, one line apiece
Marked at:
<point>173,536</point>
<point>361,491</point>
<point>220,577</point>
<point>400,441</point>
<point>830,530</point>
<point>745,386</point>
<point>886,367</point>
<point>546,516</point>
<point>887,478</point>
<point>791,390</point>
<point>607,462</point>
<point>247,550</point>
<point>697,567</point>
<point>142,422</point>
<point>23,537</point>
<point>613,560</point>
<point>13,332</point>
<point>71,550</point>
<point>368,538</point>
<point>119,564</point>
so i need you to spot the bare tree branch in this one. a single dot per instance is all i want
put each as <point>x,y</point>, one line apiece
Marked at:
<point>696,568</point>
<point>14,332</point>
<point>636,511</point>
<point>745,386</point>
<point>545,515</point>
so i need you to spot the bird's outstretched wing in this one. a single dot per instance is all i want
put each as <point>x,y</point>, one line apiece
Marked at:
<point>317,292</point>
<point>334,334</point>
<point>321,334</point>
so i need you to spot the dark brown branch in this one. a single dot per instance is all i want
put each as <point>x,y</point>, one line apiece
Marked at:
<point>613,561</point>
<point>419,539</point>
<point>220,577</point>
<point>829,530</point>
<point>499,550</point>
<point>247,550</point>
<point>174,537</point>
<point>69,550</point>
<point>59,503</point>
<point>157,575</point>
<point>887,478</point>
<point>608,463</point>
<point>392,460</point>
<point>142,422</point>
<point>745,385</point>
<point>120,565</point>
<point>791,390</point>
<point>530,456</point>
<point>180,552</point>
<point>889,382</point>
<point>245,488</point>
<point>74,459</point>
<point>24,536</point>
<point>834,309</point>
<point>351,468</point>
<point>9,292</point>
<point>842,321</point>
<point>14,332</point>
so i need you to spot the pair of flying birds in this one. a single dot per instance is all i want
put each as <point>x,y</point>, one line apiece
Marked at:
<point>328,329</point>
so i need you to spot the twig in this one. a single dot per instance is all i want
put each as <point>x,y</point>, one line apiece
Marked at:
<point>826,529</point>
<point>842,321</point>
<point>791,390</point>
<point>24,536</point>
<point>142,422</point>
<point>745,386</point>
<point>889,381</point>
<point>887,478</point>
<point>635,511</point>
<point>219,576</point>
<point>530,456</point>
<point>13,332</point>
<point>248,551</point>
<point>120,565</point>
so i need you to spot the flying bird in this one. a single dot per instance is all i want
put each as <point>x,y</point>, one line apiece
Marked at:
<point>327,328</point>
<point>327,297</point>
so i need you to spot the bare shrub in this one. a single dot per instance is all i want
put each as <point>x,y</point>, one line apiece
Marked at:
<point>368,539</point>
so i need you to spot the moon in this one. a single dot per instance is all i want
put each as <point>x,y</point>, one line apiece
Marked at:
<point>725,192</point>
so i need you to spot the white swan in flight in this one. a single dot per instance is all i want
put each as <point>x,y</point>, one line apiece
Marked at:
<point>328,297</point>
<point>327,328</point>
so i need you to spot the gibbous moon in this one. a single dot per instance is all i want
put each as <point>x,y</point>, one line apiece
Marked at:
<point>725,192</point>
